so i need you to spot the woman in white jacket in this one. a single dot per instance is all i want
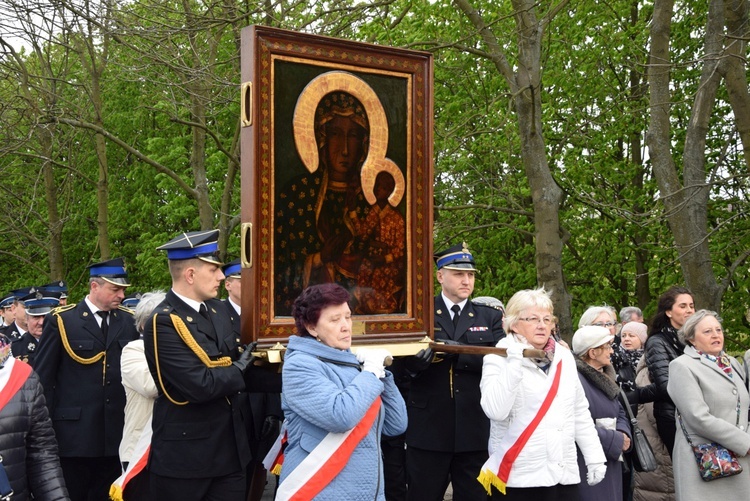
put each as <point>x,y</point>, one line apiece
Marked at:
<point>538,410</point>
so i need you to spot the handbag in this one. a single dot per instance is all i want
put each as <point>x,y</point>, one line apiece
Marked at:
<point>642,453</point>
<point>714,460</point>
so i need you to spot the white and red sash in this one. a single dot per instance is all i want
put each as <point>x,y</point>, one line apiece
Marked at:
<point>19,373</point>
<point>274,459</point>
<point>326,461</point>
<point>137,463</point>
<point>497,468</point>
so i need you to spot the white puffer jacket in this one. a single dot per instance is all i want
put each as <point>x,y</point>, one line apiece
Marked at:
<point>549,457</point>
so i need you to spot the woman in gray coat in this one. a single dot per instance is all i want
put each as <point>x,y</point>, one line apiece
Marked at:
<point>708,390</point>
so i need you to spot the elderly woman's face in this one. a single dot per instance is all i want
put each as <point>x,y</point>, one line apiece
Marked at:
<point>630,341</point>
<point>709,337</point>
<point>605,320</point>
<point>334,327</point>
<point>535,324</point>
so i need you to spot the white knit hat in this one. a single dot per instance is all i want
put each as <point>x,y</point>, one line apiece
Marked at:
<point>590,336</point>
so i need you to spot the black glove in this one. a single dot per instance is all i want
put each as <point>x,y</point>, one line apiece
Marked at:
<point>420,361</point>
<point>441,356</point>
<point>270,427</point>
<point>246,358</point>
<point>632,397</point>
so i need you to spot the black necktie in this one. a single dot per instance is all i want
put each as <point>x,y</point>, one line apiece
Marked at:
<point>204,312</point>
<point>456,309</point>
<point>105,326</point>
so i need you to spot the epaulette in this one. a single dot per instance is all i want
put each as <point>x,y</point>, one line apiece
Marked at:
<point>485,305</point>
<point>59,309</point>
<point>126,309</point>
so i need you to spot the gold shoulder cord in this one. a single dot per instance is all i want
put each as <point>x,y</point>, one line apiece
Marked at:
<point>191,343</point>
<point>66,344</point>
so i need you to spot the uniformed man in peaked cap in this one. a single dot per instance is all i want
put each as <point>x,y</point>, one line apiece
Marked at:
<point>59,286</point>
<point>199,448</point>
<point>18,327</point>
<point>6,310</point>
<point>448,431</point>
<point>37,304</point>
<point>78,362</point>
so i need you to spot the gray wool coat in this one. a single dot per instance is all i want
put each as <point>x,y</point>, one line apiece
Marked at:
<point>706,398</point>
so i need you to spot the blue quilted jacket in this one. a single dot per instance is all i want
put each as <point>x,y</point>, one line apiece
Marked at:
<point>325,391</point>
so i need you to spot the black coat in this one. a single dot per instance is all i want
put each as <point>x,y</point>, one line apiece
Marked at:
<point>85,398</point>
<point>28,446</point>
<point>661,348</point>
<point>204,437</point>
<point>264,400</point>
<point>25,348</point>
<point>443,405</point>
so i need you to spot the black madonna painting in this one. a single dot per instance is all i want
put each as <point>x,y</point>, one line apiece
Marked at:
<point>341,217</point>
<point>341,168</point>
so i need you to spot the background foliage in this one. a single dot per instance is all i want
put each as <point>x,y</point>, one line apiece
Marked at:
<point>120,128</point>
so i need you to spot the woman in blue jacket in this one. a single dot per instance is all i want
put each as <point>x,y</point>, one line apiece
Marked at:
<point>336,404</point>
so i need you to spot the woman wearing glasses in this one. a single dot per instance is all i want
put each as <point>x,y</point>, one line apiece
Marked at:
<point>538,410</point>
<point>592,347</point>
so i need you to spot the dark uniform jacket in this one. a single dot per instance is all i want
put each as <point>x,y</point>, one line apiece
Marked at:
<point>82,382</point>
<point>13,332</point>
<point>25,348</point>
<point>264,399</point>
<point>198,426</point>
<point>444,410</point>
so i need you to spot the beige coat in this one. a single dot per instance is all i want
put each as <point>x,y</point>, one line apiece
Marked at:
<point>707,399</point>
<point>140,392</point>
<point>657,485</point>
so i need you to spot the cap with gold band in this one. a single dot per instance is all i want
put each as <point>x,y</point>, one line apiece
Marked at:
<point>203,245</point>
<point>113,271</point>
<point>456,257</point>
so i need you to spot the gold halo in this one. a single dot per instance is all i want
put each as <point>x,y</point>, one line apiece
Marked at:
<point>303,123</point>
<point>368,181</point>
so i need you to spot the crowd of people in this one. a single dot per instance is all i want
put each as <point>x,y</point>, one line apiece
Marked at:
<point>160,400</point>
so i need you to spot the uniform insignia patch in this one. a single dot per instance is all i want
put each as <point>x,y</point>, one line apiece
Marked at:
<point>479,329</point>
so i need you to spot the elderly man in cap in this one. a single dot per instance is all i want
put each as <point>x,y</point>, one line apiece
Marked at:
<point>199,448</point>
<point>78,362</point>
<point>448,432</point>
<point>37,304</point>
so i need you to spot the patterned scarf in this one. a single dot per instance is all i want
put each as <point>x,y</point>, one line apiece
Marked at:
<point>722,361</point>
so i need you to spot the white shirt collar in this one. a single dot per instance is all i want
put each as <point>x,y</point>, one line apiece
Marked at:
<point>450,303</point>
<point>196,305</point>
<point>236,307</point>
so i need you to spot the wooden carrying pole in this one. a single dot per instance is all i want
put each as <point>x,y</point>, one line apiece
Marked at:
<point>463,349</point>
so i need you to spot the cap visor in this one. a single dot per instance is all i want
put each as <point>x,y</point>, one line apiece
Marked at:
<point>460,267</point>
<point>120,282</point>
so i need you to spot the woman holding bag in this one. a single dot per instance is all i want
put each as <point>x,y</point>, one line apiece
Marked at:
<point>709,392</point>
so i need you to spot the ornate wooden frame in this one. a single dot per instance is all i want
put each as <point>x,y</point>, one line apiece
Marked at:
<point>283,71</point>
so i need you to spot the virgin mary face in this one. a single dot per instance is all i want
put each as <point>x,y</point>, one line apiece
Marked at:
<point>344,144</point>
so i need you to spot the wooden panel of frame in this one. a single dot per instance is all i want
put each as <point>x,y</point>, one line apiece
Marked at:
<point>336,182</point>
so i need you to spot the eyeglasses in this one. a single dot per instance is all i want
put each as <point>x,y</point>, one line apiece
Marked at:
<point>536,320</point>
<point>605,324</point>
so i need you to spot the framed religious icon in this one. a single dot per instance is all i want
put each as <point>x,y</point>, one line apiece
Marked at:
<point>336,182</point>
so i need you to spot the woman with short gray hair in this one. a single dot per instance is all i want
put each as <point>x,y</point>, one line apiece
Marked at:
<point>707,387</point>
